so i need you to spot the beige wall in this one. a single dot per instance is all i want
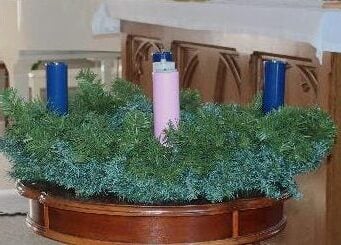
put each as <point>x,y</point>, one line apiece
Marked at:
<point>9,35</point>
<point>62,25</point>
<point>48,25</point>
<point>51,25</point>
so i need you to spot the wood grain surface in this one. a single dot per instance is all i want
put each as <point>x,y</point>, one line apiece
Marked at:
<point>73,221</point>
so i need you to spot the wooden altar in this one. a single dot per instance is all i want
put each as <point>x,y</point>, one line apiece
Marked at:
<point>227,68</point>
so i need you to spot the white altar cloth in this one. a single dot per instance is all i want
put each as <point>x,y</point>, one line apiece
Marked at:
<point>296,20</point>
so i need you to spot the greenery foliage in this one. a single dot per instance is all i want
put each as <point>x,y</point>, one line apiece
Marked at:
<point>105,146</point>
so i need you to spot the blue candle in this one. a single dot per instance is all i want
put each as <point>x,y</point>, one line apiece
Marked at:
<point>166,55</point>
<point>274,85</point>
<point>57,87</point>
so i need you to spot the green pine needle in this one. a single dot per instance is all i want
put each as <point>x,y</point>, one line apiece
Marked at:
<point>105,145</point>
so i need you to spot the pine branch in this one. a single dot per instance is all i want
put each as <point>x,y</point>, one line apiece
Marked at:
<point>106,145</point>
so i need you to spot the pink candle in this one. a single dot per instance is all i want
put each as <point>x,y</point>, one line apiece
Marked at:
<point>166,99</point>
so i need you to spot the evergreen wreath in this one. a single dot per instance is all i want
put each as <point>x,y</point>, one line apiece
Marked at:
<point>105,146</point>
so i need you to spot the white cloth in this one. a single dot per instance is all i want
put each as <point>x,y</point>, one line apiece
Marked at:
<point>103,23</point>
<point>296,20</point>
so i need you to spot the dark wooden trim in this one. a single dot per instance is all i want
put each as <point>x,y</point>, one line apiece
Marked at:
<point>3,67</point>
<point>334,166</point>
<point>92,222</point>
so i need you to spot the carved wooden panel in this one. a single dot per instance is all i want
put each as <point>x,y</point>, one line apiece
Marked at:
<point>213,70</point>
<point>302,85</point>
<point>4,82</point>
<point>235,74</point>
<point>139,60</point>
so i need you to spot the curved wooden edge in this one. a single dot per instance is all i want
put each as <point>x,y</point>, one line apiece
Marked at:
<point>145,210</point>
<point>39,229</point>
<point>60,237</point>
<point>27,192</point>
<point>264,234</point>
<point>66,219</point>
<point>249,239</point>
<point>134,210</point>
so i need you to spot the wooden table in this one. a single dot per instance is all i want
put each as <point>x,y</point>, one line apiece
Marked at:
<point>57,214</point>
